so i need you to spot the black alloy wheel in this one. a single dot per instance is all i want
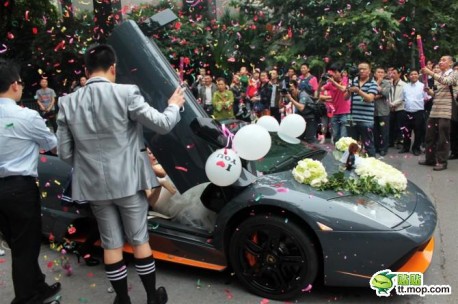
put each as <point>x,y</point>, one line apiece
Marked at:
<point>273,257</point>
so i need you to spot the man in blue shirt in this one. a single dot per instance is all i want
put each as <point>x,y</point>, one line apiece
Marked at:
<point>362,91</point>
<point>22,133</point>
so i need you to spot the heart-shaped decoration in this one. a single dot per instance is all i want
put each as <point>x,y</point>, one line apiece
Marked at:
<point>221,164</point>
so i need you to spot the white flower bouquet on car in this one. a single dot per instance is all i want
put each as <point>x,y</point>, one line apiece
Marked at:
<point>310,172</point>
<point>343,143</point>
<point>388,178</point>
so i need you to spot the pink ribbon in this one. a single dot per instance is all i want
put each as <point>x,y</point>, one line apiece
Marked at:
<point>228,134</point>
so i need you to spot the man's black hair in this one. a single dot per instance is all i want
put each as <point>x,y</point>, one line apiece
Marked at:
<point>336,66</point>
<point>99,58</point>
<point>397,69</point>
<point>9,73</point>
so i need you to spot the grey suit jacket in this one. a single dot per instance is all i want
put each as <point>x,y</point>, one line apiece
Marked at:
<point>100,133</point>
<point>202,94</point>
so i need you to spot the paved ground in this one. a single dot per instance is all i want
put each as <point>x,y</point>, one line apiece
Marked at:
<point>190,285</point>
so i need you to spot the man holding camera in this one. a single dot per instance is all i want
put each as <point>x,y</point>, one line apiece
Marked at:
<point>336,87</point>
<point>362,90</point>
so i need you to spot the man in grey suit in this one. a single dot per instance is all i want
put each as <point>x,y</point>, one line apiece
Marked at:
<point>101,135</point>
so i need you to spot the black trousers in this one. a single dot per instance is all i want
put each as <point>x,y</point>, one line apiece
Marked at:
<point>414,121</point>
<point>20,224</point>
<point>381,133</point>
<point>396,123</point>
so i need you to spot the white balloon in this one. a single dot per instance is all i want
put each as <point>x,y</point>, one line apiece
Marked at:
<point>223,167</point>
<point>292,125</point>
<point>289,139</point>
<point>252,142</point>
<point>269,123</point>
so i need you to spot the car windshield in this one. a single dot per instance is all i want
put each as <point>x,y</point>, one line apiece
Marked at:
<point>284,156</point>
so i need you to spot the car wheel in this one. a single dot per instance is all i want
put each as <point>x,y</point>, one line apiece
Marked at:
<point>272,257</point>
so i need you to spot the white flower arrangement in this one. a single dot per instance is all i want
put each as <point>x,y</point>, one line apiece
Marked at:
<point>385,175</point>
<point>310,172</point>
<point>343,143</point>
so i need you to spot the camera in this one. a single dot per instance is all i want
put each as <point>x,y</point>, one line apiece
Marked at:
<point>325,76</point>
<point>353,71</point>
<point>284,91</point>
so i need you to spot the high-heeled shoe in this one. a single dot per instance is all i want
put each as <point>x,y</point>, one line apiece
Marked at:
<point>89,260</point>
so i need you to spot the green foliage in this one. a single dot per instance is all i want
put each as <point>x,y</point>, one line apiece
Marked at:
<point>360,185</point>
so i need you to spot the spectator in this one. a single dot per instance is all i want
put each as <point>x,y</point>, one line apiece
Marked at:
<point>275,98</point>
<point>363,90</point>
<point>336,88</point>
<point>206,94</point>
<point>197,85</point>
<point>397,115</point>
<point>115,144</point>
<point>82,83</point>
<point>22,134</point>
<point>431,84</point>
<point>307,82</point>
<point>223,101</point>
<point>244,78</point>
<point>264,96</point>
<point>46,99</point>
<point>414,103</point>
<point>253,84</point>
<point>381,112</point>
<point>437,139</point>
<point>287,78</point>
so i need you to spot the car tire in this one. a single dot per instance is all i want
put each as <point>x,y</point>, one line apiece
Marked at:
<point>272,257</point>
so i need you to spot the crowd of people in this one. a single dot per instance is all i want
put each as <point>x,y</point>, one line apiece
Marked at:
<point>380,108</point>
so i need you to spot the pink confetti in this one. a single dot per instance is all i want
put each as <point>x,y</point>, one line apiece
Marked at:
<point>308,288</point>
<point>181,168</point>
<point>282,190</point>
<point>340,193</point>
<point>43,159</point>
<point>90,275</point>
<point>2,261</point>
<point>228,294</point>
<point>50,264</point>
<point>264,301</point>
<point>5,48</point>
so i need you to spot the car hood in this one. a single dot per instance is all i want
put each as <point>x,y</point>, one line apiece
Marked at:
<point>369,210</point>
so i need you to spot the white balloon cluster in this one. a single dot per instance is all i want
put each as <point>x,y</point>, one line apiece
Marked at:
<point>252,142</point>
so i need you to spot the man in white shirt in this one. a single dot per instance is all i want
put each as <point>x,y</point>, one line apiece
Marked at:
<point>414,106</point>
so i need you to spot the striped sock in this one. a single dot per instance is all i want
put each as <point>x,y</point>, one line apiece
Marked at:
<point>117,274</point>
<point>146,269</point>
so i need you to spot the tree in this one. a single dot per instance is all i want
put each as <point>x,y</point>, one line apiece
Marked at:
<point>381,32</point>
